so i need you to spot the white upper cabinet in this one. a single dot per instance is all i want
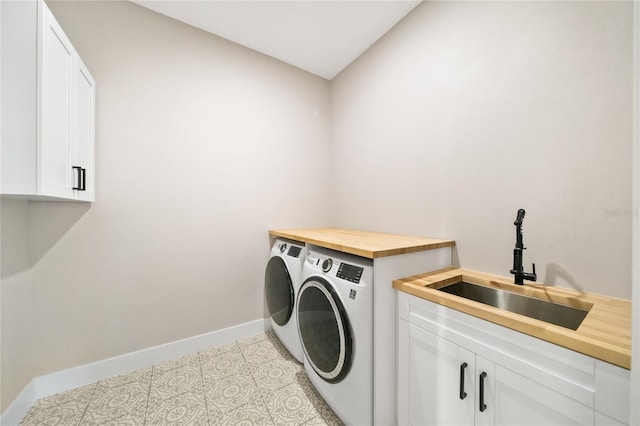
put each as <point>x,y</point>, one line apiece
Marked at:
<point>56,73</point>
<point>82,148</point>
<point>48,109</point>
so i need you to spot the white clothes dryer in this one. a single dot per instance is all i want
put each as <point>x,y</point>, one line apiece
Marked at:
<point>282,279</point>
<point>335,322</point>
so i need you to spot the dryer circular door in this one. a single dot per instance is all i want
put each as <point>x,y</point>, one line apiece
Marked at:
<point>324,330</point>
<point>278,289</point>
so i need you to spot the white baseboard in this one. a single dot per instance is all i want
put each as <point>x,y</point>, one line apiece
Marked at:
<point>61,381</point>
<point>19,407</point>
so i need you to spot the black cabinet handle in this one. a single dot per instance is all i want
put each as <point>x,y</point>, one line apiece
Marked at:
<point>463,394</point>
<point>79,187</point>
<point>84,179</point>
<point>483,406</point>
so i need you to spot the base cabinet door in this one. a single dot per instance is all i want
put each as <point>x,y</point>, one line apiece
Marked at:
<point>440,386</point>
<point>520,401</point>
<point>442,383</point>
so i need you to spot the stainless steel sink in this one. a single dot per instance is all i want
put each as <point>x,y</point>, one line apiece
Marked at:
<point>554,313</point>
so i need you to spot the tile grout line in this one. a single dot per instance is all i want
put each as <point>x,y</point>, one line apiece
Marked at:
<point>146,408</point>
<point>84,413</point>
<point>256,384</point>
<point>204,394</point>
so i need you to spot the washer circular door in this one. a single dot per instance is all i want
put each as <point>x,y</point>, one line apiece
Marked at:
<point>278,290</point>
<point>324,330</point>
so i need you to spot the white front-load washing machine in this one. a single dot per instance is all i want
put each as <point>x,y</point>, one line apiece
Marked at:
<point>282,279</point>
<point>335,322</point>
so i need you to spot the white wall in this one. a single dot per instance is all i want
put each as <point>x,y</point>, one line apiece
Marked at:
<point>201,147</point>
<point>467,111</point>
<point>634,408</point>
<point>16,307</point>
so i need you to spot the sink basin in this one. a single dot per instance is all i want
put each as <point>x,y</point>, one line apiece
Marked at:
<point>554,313</point>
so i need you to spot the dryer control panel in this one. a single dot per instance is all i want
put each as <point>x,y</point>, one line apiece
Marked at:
<point>350,272</point>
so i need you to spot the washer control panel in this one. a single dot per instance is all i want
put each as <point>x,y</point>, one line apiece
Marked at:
<point>350,272</point>
<point>342,270</point>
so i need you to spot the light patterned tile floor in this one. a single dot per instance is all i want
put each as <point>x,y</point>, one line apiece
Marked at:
<point>254,381</point>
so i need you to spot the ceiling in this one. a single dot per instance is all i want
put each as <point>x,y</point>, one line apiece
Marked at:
<point>319,36</point>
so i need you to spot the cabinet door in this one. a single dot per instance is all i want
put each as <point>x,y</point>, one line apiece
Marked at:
<point>54,115</point>
<point>82,151</point>
<point>520,401</point>
<point>440,380</point>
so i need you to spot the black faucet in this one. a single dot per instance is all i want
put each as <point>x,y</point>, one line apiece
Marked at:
<point>518,270</point>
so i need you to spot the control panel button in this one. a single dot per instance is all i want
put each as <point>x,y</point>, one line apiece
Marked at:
<point>327,264</point>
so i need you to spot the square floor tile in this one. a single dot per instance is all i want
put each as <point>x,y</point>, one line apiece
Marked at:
<point>174,382</point>
<point>58,415</point>
<point>78,395</point>
<point>225,394</point>
<point>265,350</point>
<point>274,374</point>
<point>253,413</point>
<point>141,377</point>
<point>292,405</point>
<point>326,419</point>
<point>229,347</point>
<point>185,361</point>
<point>303,381</point>
<point>114,402</point>
<point>223,364</point>
<point>188,409</point>
<point>257,338</point>
<point>128,419</point>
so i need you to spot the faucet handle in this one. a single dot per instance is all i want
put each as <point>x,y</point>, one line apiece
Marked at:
<point>534,276</point>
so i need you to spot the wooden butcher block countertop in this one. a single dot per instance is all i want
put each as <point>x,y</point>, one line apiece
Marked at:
<point>605,333</point>
<point>362,243</point>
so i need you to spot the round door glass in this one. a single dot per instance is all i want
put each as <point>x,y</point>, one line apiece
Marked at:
<point>324,330</point>
<point>278,290</point>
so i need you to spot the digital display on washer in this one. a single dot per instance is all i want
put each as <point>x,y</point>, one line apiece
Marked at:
<point>294,251</point>
<point>350,272</point>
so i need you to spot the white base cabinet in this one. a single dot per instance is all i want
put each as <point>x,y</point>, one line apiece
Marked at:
<point>455,369</point>
<point>48,108</point>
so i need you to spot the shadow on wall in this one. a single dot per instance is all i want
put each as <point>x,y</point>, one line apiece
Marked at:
<point>554,273</point>
<point>49,222</point>
<point>265,309</point>
<point>455,257</point>
<point>14,237</point>
<point>29,229</point>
